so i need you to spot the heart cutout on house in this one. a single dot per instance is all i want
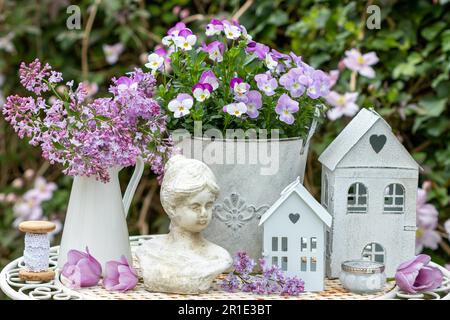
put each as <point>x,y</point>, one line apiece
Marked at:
<point>294,217</point>
<point>377,142</point>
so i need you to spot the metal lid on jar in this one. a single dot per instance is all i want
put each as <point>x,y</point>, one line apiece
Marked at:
<point>362,266</point>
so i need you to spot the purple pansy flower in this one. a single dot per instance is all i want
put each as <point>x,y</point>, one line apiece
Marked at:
<point>215,50</point>
<point>236,109</point>
<point>210,78</point>
<point>240,88</point>
<point>266,83</point>
<point>126,84</point>
<point>259,49</point>
<point>290,81</point>
<point>254,103</point>
<point>181,105</point>
<point>120,276</point>
<point>416,275</point>
<point>285,108</point>
<point>232,30</point>
<point>214,27</point>
<point>202,91</point>
<point>344,104</point>
<point>185,39</point>
<point>81,269</point>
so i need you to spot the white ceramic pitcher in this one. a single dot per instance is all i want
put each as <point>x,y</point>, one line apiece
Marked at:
<point>96,217</point>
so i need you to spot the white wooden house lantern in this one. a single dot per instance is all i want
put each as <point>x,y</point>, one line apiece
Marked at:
<point>369,186</point>
<point>294,235</point>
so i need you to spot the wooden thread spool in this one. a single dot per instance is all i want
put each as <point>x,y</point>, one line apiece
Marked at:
<point>36,252</point>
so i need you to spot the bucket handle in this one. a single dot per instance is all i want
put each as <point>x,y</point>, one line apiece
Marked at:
<point>311,132</point>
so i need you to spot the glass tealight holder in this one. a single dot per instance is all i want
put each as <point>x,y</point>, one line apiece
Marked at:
<point>361,276</point>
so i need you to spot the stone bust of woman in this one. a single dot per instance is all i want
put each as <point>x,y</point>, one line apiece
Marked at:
<point>182,261</point>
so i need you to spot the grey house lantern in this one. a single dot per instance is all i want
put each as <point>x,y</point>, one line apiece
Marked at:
<point>369,186</point>
<point>294,235</point>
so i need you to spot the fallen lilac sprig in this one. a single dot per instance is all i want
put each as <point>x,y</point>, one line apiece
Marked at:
<point>271,281</point>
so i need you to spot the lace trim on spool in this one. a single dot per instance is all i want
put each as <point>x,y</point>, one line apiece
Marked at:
<point>36,253</point>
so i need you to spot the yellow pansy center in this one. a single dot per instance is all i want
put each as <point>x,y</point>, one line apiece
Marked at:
<point>360,60</point>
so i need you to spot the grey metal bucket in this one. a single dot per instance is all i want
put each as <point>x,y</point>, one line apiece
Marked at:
<point>247,189</point>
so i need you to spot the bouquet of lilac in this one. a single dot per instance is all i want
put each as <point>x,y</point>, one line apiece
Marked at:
<point>89,137</point>
<point>234,82</point>
<point>272,280</point>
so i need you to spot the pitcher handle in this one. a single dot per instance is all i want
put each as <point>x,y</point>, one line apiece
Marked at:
<point>132,185</point>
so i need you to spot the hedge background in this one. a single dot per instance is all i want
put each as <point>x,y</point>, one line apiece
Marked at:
<point>411,88</point>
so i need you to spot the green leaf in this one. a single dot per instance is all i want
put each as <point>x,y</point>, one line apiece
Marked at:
<point>433,107</point>
<point>432,31</point>
<point>446,40</point>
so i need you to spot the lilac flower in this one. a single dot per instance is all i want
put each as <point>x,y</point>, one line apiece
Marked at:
<point>242,263</point>
<point>55,77</point>
<point>285,108</point>
<point>236,109</point>
<point>32,76</point>
<point>202,91</point>
<point>231,283</point>
<point>81,269</point>
<point>416,275</point>
<point>215,50</point>
<point>214,27</point>
<point>266,83</point>
<point>427,221</point>
<point>259,49</point>
<point>344,104</point>
<point>181,105</point>
<point>293,287</point>
<point>210,78</point>
<point>155,61</point>
<point>113,52</point>
<point>231,31</point>
<point>360,63</point>
<point>120,276</point>
<point>290,81</point>
<point>185,39</point>
<point>27,209</point>
<point>254,103</point>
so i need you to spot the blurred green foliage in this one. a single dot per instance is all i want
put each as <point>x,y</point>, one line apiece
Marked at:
<point>411,88</point>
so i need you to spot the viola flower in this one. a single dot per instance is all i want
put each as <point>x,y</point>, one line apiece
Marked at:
<point>81,269</point>
<point>120,276</point>
<point>6,43</point>
<point>285,108</point>
<point>113,52</point>
<point>27,208</point>
<point>214,27</point>
<point>231,31</point>
<point>344,104</point>
<point>215,50</point>
<point>266,83</point>
<point>416,275</point>
<point>185,40</point>
<point>270,62</point>
<point>245,34</point>
<point>210,78</point>
<point>126,84</point>
<point>181,105</point>
<point>254,103</point>
<point>202,91</point>
<point>236,109</point>
<point>155,61</point>
<point>290,81</point>
<point>259,49</point>
<point>239,87</point>
<point>360,63</point>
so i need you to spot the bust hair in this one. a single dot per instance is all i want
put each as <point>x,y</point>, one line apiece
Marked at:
<point>184,177</point>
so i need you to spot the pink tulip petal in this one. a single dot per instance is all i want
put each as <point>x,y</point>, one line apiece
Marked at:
<point>403,283</point>
<point>111,270</point>
<point>73,256</point>
<point>89,277</point>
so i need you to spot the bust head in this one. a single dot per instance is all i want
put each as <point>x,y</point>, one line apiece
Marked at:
<point>188,192</point>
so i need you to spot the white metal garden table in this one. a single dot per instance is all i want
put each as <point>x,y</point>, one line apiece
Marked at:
<point>16,289</point>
